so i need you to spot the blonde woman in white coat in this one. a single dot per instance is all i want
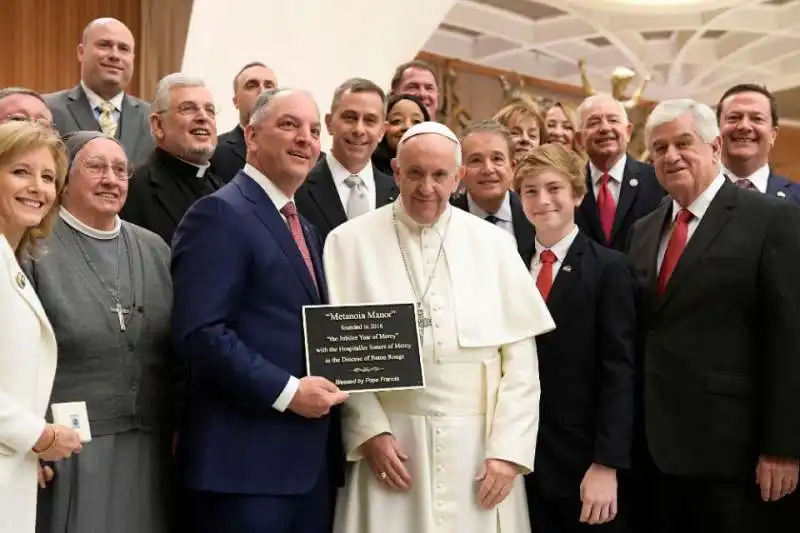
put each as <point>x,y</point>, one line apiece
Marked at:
<point>32,173</point>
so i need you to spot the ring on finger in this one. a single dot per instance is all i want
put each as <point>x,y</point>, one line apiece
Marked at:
<point>383,476</point>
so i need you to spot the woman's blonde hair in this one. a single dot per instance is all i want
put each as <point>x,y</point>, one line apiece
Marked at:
<point>521,106</point>
<point>18,139</point>
<point>554,158</point>
<point>572,115</point>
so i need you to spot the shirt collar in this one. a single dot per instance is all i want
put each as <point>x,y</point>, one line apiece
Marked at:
<point>560,248</point>
<point>95,99</point>
<point>700,205</point>
<point>617,172</point>
<point>77,225</point>
<point>275,194</point>
<point>503,214</point>
<point>759,178</point>
<point>340,173</point>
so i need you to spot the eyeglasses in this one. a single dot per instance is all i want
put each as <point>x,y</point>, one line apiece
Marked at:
<point>19,117</point>
<point>98,168</point>
<point>192,109</point>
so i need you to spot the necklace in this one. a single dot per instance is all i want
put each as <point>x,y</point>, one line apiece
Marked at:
<point>423,319</point>
<point>118,309</point>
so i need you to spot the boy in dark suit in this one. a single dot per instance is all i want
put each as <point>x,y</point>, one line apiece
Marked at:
<point>587,363</point>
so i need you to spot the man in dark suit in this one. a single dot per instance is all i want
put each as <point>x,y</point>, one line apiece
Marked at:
<point>720,301</point>
<point>345,184</point>
<point>99,101</point>
<point>620,190</point>
<point>251,80</point>
<point>177,172</point>
<point>254,444</point>
<point>586,365</point>
<point>748,121</point>
<point>486,150</point>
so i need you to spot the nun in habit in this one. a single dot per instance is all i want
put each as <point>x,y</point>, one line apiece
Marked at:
<point>105,285</point>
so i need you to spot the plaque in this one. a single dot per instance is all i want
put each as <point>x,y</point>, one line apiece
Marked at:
<point>363,348</point>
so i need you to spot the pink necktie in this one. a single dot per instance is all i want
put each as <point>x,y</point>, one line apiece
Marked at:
<point>293,221</point>
<point>606,207</point>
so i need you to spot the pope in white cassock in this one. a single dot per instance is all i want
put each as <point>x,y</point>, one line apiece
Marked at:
<point>449,457</point>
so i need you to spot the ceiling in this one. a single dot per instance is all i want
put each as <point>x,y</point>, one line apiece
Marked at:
<point>690,48</point>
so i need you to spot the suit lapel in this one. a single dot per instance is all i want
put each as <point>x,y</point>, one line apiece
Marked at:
<point>627,194</point>
<point>267,213</point>
<point>569,275</point>
<point>523,229</point>
<point>23,286</point>
<point>714,220</point>
<point>81,110</point>
<point>588,209</point>
<point>778,186</point>
<point>651,231</point>
<point>165,190</point>
<point>323,191</point>
<point>236,141</point>
<point>385,188</point>
<point>128,133</point>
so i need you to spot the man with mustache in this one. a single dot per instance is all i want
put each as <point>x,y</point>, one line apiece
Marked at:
<point>620,190</point>
<point>487,149</point>
<point>99,101</point>
<point>748,120</point>
<point>177,174</point>
<point>344,183</point>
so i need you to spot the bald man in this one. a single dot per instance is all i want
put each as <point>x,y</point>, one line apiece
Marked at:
<point>99,102</point>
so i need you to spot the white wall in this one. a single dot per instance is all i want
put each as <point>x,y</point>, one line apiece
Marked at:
<point>310,44</point>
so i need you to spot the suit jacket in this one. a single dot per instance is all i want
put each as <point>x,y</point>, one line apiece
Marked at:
<point>156,200</point>
<point>720,352</point>
<point>72,112</point>
<point>783,188</point>
<point>318,200</point>
<point>237,325</point>
<point>586,369</point>
<point>27,369</point>
<point>229,157</point>
<point>640,194</point>
<point>523,229</point>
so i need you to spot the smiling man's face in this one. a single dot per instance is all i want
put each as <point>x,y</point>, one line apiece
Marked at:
<point>487,160</point>
<point>356,125</point>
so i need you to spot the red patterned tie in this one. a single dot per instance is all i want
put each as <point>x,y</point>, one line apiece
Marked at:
<point>293,221</point>
<point>606,206</point>
<point>675,247</point>
<point>544,280</point>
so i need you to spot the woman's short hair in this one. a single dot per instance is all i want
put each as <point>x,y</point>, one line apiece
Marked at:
<point>18,139</point>
<point>554,158</point>
<point>521,107</point>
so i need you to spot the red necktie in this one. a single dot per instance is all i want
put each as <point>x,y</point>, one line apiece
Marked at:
<point>675,247</point>
<point>544,280</point>
<point>293,221</point>
<point>606,206</point>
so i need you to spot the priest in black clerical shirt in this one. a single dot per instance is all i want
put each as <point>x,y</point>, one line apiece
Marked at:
<point>183,124</point>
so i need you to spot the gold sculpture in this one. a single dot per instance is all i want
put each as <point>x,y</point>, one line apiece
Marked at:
<point>620,78</point>
<point>457,118</point>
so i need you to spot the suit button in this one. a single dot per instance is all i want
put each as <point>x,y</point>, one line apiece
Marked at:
<point>651,331</point>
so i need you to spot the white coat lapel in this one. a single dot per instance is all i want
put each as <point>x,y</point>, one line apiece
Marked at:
<point>22,286</point>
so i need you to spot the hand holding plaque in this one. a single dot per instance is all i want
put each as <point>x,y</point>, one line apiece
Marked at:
<point>315,396</point>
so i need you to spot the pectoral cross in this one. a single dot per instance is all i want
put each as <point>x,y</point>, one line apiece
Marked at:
<point>121,312</point>
<point>423,321</point>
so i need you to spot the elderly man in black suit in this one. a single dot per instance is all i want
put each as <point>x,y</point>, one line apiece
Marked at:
<point>99,102</point>
<point>620,190</point>
<point>721,356</point>
<point>251,80</point>
<point>344,183</point>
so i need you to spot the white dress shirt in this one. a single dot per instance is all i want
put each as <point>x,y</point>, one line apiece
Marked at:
<point>697,208</point>
<point>340,174</point>
<point>503,214</point>
<point>559,249</point>
<point>95,100</point>
<point>759,178</point>
<point>279,199</point>
<point>616,173</point>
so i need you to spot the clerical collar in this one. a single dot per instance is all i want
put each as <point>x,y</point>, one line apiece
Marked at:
<point>185,167</point>
<point>503,214</point>
<point>87,230</point>
<point>413,225</point>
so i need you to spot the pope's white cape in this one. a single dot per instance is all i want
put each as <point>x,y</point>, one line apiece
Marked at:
<point>482,396</point>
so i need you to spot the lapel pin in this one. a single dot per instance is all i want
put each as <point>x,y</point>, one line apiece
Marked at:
<point>20,280</point>
<point>634,182</point>
<point>781,194</point>
<point>566,268</point>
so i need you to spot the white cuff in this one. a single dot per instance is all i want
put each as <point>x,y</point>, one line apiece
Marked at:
<point>287,394</point>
